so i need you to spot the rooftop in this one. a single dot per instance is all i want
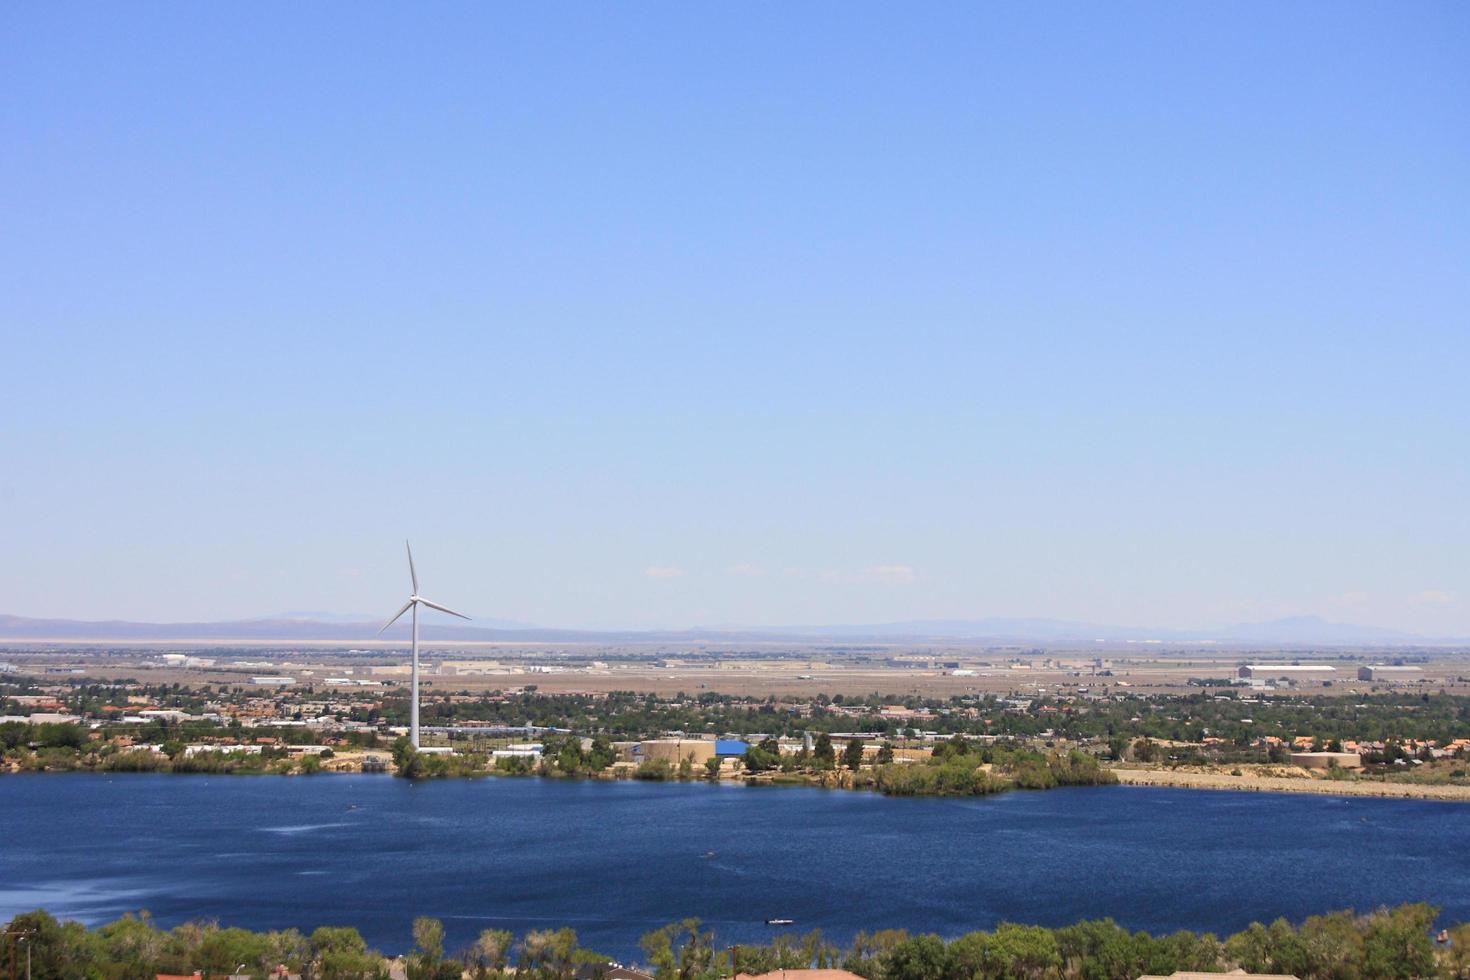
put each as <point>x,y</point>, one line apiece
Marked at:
<point>802,975</point>
<point>1186,975</point>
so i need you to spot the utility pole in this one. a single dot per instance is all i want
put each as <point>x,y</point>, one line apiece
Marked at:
<point>19,935</point>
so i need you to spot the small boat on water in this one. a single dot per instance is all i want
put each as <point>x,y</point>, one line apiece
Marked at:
<point>779,922</point>
<point>708,855</point>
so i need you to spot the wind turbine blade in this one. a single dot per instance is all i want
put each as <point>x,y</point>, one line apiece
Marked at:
<point>400,612</point>
<point>411,573</point>
<point>435,605</point>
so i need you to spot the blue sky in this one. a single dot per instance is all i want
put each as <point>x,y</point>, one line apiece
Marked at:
<point>675,314</point>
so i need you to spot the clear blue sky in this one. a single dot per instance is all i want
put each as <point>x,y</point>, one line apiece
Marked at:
<point>669,314</point>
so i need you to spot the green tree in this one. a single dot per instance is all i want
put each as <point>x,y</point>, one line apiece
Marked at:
<point>601,755</point>
<point>133,944</point>
<point>570,758</point>
<point>824,756</point>
<point>549,954</point>
<point>487,957</point>
<point>426,960</point>
<point>1330,946</point>
<point>869,952</point>
<point>967,956</point>
<point>405,757</point>
<point>221,950</point>
<point>762,757</point>
<point>291,949</point>
<point>58,951</point>
<point>339,953</point>
<point>682,951</point>
<point>852,756</point>
<point>1016,952</point>
<point>1396,945</point>
<point>1097,950</point>
<point>918,958</point>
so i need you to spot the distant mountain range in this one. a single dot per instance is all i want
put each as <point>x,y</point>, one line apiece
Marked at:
<point>1295,629</point>
<point>338,629</point>
<point>489,622</point>
<point>1292,632</point>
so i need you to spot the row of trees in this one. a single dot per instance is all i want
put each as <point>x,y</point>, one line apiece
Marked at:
<point>960,767</point>
<point>766,756</point>
<point>223,761</point>
<point>1434,716</point>
<point>621,715</point>
<point>1389,944</point>
<point>66,747</point>
<point>134,948</point>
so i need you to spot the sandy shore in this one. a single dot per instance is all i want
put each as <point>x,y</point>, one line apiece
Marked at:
<point>1279,784</point>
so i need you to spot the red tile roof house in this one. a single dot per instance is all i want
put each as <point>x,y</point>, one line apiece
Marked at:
<point>800,975</point>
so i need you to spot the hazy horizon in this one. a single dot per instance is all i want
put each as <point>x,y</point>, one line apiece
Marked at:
<point>666,315</point>
<point>1293,631</point>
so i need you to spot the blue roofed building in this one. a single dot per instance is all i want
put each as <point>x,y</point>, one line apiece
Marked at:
<point>729,748</point>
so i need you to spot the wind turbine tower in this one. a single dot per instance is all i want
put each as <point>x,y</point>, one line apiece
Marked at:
<point>412,605</point>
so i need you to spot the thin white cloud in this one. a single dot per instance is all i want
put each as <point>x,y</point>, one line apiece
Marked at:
<point>1433,597</point>
<point>1352,599</point>
<point>871,575</point>
<point>890,574</point>
<point>663,571</point>
<point>745,569</point>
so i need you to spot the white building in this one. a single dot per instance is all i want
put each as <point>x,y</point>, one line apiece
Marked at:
<point>202,748</point>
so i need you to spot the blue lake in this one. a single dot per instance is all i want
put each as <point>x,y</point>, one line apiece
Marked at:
<point>615,860</point>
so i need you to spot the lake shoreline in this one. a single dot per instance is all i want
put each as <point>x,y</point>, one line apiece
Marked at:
<point>1279,784</point>
<point>841,781</point>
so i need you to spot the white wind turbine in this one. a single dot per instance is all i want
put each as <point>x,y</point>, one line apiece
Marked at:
<point>414,601</point>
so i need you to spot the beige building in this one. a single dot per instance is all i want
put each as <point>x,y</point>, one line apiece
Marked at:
<point>676,750</point>
<point>1327,760</point>
<point>1390,672</point>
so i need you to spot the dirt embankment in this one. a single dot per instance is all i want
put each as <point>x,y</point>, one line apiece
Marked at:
<point>1283,784</point>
